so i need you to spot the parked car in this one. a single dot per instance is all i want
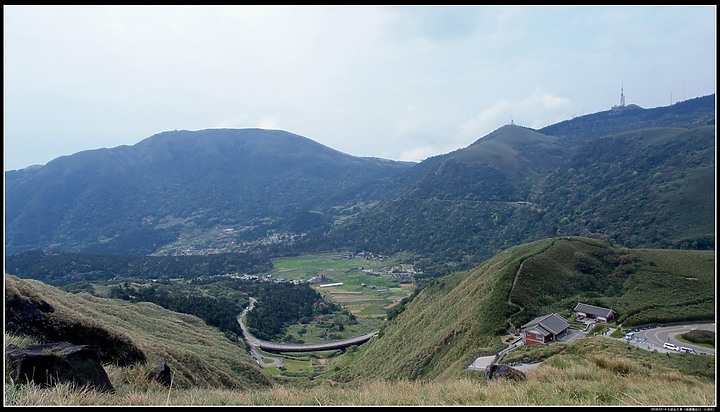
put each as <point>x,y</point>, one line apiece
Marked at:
<point>687,350</point>
<point>670,346</point>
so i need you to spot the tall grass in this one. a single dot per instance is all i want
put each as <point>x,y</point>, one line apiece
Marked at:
<point>578,385</point>
<point>199,355</point>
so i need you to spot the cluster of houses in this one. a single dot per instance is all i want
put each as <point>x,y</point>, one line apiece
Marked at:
<point>552,327</point>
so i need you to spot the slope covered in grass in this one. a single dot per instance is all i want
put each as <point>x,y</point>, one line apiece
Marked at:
<point>461,316</point>
<point>199,355</point>
<point>595,371</point>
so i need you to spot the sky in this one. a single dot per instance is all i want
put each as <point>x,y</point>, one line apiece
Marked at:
<point>395,82</point>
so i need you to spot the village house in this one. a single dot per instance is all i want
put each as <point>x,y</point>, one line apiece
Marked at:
<point>544,329</point>
<point>585,311</point>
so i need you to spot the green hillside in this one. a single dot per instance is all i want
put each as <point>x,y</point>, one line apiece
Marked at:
<point>645,188</point>
<point>650,187</point>
<point>459,317</point>
<point>182,189</point>
<point>421,354</point>
<point>199,355</point>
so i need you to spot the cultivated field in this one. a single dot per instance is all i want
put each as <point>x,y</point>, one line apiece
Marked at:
<point>369,285</point>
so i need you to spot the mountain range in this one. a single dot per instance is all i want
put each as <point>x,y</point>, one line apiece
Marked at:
<point>630,176</point>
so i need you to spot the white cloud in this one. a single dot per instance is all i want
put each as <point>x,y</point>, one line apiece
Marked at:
<point>238,121</point>
<point>420,153</point>
<point>268,123</point>
<point>536,111</point>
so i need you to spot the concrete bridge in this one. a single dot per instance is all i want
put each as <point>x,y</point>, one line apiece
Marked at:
<point>289,347</point>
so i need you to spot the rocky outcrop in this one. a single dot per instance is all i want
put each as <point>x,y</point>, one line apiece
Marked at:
<point>504,372</point>
<point>21,312</point>
<point>34,317</point>
<point>162,374</point>
<point>56,363</point>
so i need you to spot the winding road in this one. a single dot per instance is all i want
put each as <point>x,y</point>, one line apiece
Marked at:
<point>256,343</point>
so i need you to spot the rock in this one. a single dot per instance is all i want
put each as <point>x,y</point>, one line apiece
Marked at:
<point>162,374</point>
<point>504,372</point>
<point>21,311</point>
<point>32,316</point>
<point>55,363</point>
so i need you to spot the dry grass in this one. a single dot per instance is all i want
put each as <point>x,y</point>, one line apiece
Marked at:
<point>544,386</point>
<point>199,355</point>
<point>599,373</point>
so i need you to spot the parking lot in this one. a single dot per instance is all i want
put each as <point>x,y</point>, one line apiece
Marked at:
<point>663,338</point>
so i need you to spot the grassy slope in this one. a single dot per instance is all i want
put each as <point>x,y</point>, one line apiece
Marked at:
<point>594,371</point>
<point>445,327</point>
<point>670,286</point>
<point>460,316</point>
<point>421,356</point>
<point>199,355</point>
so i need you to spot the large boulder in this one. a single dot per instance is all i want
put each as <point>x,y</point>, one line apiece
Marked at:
<point>32,316</point>
<point>55,363</point>
<point>504,372</point>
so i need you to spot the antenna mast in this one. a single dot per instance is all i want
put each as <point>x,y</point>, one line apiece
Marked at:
<point>622,95</point>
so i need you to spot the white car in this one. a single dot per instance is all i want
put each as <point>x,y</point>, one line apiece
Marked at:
<point>687,350</point>
<point>670,346</point>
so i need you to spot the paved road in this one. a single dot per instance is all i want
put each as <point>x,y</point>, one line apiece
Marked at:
<point>653,339</point>
<point>649,339</point>
<point>256,343</point>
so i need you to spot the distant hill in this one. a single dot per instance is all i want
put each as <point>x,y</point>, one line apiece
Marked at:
<point>632,176</point>
<point>137,199</point>
<point>690,113</point>
<point>455,318</point>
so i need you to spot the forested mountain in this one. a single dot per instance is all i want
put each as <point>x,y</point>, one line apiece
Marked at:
<point>136,199</point>
<point>630,176</point>
<point>59,269</point>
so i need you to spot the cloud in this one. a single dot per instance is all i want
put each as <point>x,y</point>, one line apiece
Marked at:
<point>234,122</point>
<point>268,122</point>
<point>373,81</point>
<point>536,111</point>
<point>420,153</point>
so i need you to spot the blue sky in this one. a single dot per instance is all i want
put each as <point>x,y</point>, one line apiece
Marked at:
<point>401,83</point>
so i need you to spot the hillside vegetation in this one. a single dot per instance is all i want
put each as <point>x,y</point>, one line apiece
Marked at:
<point>421,354</point>
<point>590,372</point>
<point>167,192</point>
<point>458,317</point>
<point>640,188</point>
<point>630,176</point>
<point>200,356</point>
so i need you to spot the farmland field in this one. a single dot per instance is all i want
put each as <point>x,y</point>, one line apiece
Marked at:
<point>366,287</point>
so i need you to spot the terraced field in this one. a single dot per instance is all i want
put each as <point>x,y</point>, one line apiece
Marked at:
<point>369,286</point>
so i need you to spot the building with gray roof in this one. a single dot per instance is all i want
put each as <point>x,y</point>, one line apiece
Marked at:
<point>583,310</point>
<point>544,329</point>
